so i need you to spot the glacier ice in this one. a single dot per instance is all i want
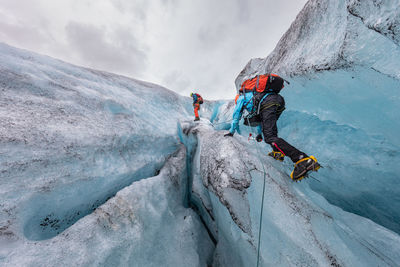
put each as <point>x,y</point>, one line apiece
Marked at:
<point>342,103</point>
<point>144,224</point>
<point>354,133</point>
<point>93,171</point>
<point>300,227</point>
<point>75,131</point>
<point>329,35</point>
<point>89,171</point>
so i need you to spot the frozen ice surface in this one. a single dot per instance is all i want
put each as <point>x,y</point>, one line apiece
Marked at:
<point>70,139</point>
<point>144,224</point>
<point>299,227</point>
<point>353,129</point>
<point>342,59</point>
<point>92,170</point>
<point>328,35</point>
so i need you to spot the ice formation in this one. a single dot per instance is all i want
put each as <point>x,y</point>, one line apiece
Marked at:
<point>98,169</point>
<point>144,224</point>
<point>71,138</point>
<point>343,61</point>
<point>299,227</point>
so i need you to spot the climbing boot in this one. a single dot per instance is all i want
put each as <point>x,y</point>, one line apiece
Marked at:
<point>196,119</point>
<point>303,166</point>
<point>277,155</point>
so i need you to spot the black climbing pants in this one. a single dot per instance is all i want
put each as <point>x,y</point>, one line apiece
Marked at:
<point>270,111</point>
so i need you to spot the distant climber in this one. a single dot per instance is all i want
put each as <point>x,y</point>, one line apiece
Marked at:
<point>269,105</point>
<point>243,101</point>
<point>197,101</point>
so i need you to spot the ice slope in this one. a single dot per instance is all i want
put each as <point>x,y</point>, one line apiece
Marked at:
<point>82,151</point>
<point>333,34</point>
<point>343,61</point>
<point>361,162</point>
<point>145,224</point>
<point>70,139</point>
<point>299,227</point>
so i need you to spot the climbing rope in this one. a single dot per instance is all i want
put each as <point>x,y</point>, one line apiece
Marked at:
<point>262,201</point>
<point>263,191</point>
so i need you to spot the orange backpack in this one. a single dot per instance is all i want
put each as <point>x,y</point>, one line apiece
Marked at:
<point>263,83</point>
<point>199,99</point>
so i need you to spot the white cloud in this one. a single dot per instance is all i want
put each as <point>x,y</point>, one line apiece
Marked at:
<point>183,45</point>
<point>117,51</point>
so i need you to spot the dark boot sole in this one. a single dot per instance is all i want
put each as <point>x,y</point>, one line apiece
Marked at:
<point>313,167</point>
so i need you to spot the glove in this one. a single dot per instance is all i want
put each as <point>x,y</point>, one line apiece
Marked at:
<point>259,138</point>
<point>228,134</point>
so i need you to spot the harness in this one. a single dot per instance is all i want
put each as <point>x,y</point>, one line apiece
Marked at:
<point>262,99</point>
<point>252,119</point>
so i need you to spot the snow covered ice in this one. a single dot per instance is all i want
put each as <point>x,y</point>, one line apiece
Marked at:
<point>102,170</point>
<point>145,224</point>
<point>300,228</point>
<point>343,101</point>
<point>72,138</point>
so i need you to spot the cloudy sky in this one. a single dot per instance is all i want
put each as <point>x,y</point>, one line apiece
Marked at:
<point>184,45</point>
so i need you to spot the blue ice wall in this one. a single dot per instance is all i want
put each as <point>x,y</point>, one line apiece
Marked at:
<point>349,120</point>
<point>342,59</point>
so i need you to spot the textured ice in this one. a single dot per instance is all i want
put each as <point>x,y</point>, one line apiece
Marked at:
<point>145,224</point>
<point>333,34</point>
<point>72,137</point>
<point>93,171</point>
<point>300,228</point>
<point>354,133</point>
<point>342,59</point>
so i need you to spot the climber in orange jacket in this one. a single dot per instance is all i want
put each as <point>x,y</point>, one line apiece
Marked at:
<point>197,101</point>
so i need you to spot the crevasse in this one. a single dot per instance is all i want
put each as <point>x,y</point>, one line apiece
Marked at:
<point>101,154</point>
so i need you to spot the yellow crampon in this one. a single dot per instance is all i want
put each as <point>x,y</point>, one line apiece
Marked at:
<point>315,168</point>
<point>277,155</point>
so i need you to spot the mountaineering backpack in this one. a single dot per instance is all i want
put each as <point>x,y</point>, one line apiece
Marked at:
<point>261,86</point>
<point>266,83</point>
<point>199,99</point>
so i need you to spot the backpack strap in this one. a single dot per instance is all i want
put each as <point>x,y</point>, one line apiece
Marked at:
<point>258,80</point>
<point>262,99</point>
